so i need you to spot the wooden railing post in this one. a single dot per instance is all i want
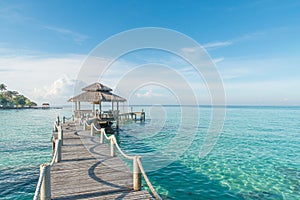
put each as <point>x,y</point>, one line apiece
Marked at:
<point>142,115</point>
<point>101,136</point>
<point>60,134</point>
<point>53,145</point>
<point>45,193</point>
<point>92,129</point>
<point>137,182</point>
<point>84,126</point>
<point>58,121</point>
<point>54,127</point>
<point>58,156</point>
<point>112,148</point>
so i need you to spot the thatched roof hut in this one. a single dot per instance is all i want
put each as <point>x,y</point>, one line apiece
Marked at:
<point>95,93</point>
<point>96,97</point>
<point>97,87</point>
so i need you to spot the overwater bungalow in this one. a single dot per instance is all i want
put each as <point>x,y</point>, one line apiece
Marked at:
<point>96,94</point>
<point>45,106</point>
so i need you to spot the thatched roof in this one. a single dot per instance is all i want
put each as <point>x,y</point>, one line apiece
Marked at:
<point>97,87</point>
<point>97,97</point>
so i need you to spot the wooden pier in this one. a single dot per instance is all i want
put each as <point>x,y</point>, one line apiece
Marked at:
<point>136,116</point>
<point>85,167</point>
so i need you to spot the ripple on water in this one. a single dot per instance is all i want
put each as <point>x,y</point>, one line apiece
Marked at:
<point>256,157</point>
<point>243,164</point>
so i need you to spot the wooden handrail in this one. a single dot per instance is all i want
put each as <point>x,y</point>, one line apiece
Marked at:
<point>43,188</point>
<point>138,168</point>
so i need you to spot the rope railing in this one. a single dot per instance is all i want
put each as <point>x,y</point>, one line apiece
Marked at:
<point>43,169</point>
<point>68,118</point>
<point>81,121</point>
<point>95,127</point>
<point>39,184</point>
<point>55,155</point>
<point>43,190</point>
<point>156,195</point>
<point>87,124</point>
<point>138,167</point>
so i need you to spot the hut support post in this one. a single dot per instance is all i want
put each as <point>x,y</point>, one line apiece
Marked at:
<point>46,183</point>
<point>100,108</point>
<point>143,117</point>
<point>94,113</point>
<point>136,174</point>
<point>118,119</point>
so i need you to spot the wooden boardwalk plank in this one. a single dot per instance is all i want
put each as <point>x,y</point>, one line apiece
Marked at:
<point>87,171</point>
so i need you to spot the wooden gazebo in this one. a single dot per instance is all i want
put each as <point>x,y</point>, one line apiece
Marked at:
<point>97,93</point>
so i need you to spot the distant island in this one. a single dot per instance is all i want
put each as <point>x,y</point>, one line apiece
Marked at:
<point>13,99</point>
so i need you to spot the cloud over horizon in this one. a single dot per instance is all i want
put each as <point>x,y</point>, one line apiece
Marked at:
<point>57,93</point>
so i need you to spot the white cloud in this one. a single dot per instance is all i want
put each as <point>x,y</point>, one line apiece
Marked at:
<point>32,74</point>
<point>57,93</point>
<point>77,37</point>
<point>218,60</point>
<point>234,73</point>
<point>190,49</point>
<point>52,78</point>
<point>217,44</point>
<point>148,94</point>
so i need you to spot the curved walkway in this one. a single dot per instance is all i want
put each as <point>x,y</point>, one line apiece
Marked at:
<point>88,172</point>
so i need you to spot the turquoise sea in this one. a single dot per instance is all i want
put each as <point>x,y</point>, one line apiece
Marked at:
<point>257,155</point>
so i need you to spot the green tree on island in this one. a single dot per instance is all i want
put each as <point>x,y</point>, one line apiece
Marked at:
<point>11,99</point>
<point>2,87</point>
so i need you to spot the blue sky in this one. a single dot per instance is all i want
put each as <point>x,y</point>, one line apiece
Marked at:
<point>254,44</point>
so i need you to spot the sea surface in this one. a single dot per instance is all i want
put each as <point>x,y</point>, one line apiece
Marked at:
<point>257,155</point>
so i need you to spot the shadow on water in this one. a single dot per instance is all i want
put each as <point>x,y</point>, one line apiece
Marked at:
<point>177,181</point>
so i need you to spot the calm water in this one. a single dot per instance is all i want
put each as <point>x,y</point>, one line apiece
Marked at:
<point>256,157</point>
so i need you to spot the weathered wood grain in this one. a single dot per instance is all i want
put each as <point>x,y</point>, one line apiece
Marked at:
<point>87,171</point>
